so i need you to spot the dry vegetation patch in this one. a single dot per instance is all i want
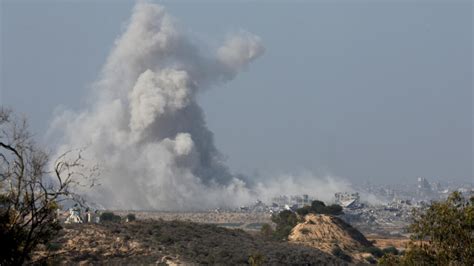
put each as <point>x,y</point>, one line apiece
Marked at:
<point>330,234</point>
<point>173,242</point>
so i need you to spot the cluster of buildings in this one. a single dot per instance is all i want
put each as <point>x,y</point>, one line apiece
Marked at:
<point>390,218</point>
<point>348,200</point>
<point>278,204</point>
<point>291,202</point>
<point>393,211</point>
<point>389,213</point>
<point>421,191</point>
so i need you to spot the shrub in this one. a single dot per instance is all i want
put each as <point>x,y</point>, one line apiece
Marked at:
<point>390,250</point>
<point>110,217</point>
<point>305,231</point>
<point>256,259</point>
<point>333,209</point>
<point>371,260</point>
<point>53,246</point>
<point>375,251</point>
<point>448,225</point>
<point>266,231</point>
<point>131,217</point>
<point>285,221</point>
<point>318,207</point>
<point>338,252</point>
<point>389,260</point>
<point>304,210</point>
<point>441,235</point>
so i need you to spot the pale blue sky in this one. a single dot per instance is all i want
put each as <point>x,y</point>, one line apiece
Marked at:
<point>358,89</point>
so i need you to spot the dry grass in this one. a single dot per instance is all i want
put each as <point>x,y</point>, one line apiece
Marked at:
<point>384,242</point>
<point>173,242</point>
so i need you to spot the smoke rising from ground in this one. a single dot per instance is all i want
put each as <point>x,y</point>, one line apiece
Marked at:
<point>145,129</point>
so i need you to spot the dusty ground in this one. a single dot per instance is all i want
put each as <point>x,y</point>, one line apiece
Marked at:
<point>172,242</point>
<point>328,233</point>
<point>203,217</point>
<point>383,241</point>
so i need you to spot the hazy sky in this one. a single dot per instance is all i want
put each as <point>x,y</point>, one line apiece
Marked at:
<point>359,89</point>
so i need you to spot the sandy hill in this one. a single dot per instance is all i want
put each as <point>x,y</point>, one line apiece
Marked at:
<point>172,242</point>
<point>327,232</point>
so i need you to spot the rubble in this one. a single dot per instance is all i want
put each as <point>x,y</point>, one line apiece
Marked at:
<point>348,200</point>
<point>74,216</point>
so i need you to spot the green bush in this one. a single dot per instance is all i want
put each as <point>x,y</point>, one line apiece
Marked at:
<point>375,251</point>
<point>318,207</point>
<point>109,217</point>
<point>371,260</point>
<point>390,260</point>
<point>305,231</point>
<point>304,210</point>
<point>390,250</point>
<point>266,231</point>
<point>256,259</point>
<point>441,235</point>
<point>131,217</point>
<point>448,225</point>
<point>334,209</point>
<point>285,221</point>
<point>338,252</point>
<point>53,246</point>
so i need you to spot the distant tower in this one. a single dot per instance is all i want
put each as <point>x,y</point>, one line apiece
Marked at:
<point>424,188</point>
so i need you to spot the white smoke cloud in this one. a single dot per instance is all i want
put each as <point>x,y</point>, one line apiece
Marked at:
<point>303,183</point>
<point>157,94</point>
<point>238,50</point>
<point>148,133</point>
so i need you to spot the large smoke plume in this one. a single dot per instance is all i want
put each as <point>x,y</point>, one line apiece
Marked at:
<point>145,128</point>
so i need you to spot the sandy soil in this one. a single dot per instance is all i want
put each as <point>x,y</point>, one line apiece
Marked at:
<point>384,241</point>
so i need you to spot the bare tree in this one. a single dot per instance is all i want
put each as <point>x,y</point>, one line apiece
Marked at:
<point>30,192</point>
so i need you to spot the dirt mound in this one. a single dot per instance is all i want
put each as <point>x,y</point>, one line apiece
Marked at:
<point>328,233</point>
<point>173,242</point>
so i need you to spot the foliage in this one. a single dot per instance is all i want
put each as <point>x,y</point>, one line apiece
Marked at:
<point>375,251</point>
<point>441,235</point>
<point>303,210</point>
<point>371,260</point>
<point>305,231</point>
<point>53,246</point>
<point>256,259</point>
<point>109,217</point>
<point>334,209</point>
<point>318,207</point>
<point>338,252</point>
<point>29,193</point>
<point>266,231</point>
<point>390,250</point>
<point>131,217</point>
<point>389,260</point>
<point>285,221</point>
<point>448,229</point>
